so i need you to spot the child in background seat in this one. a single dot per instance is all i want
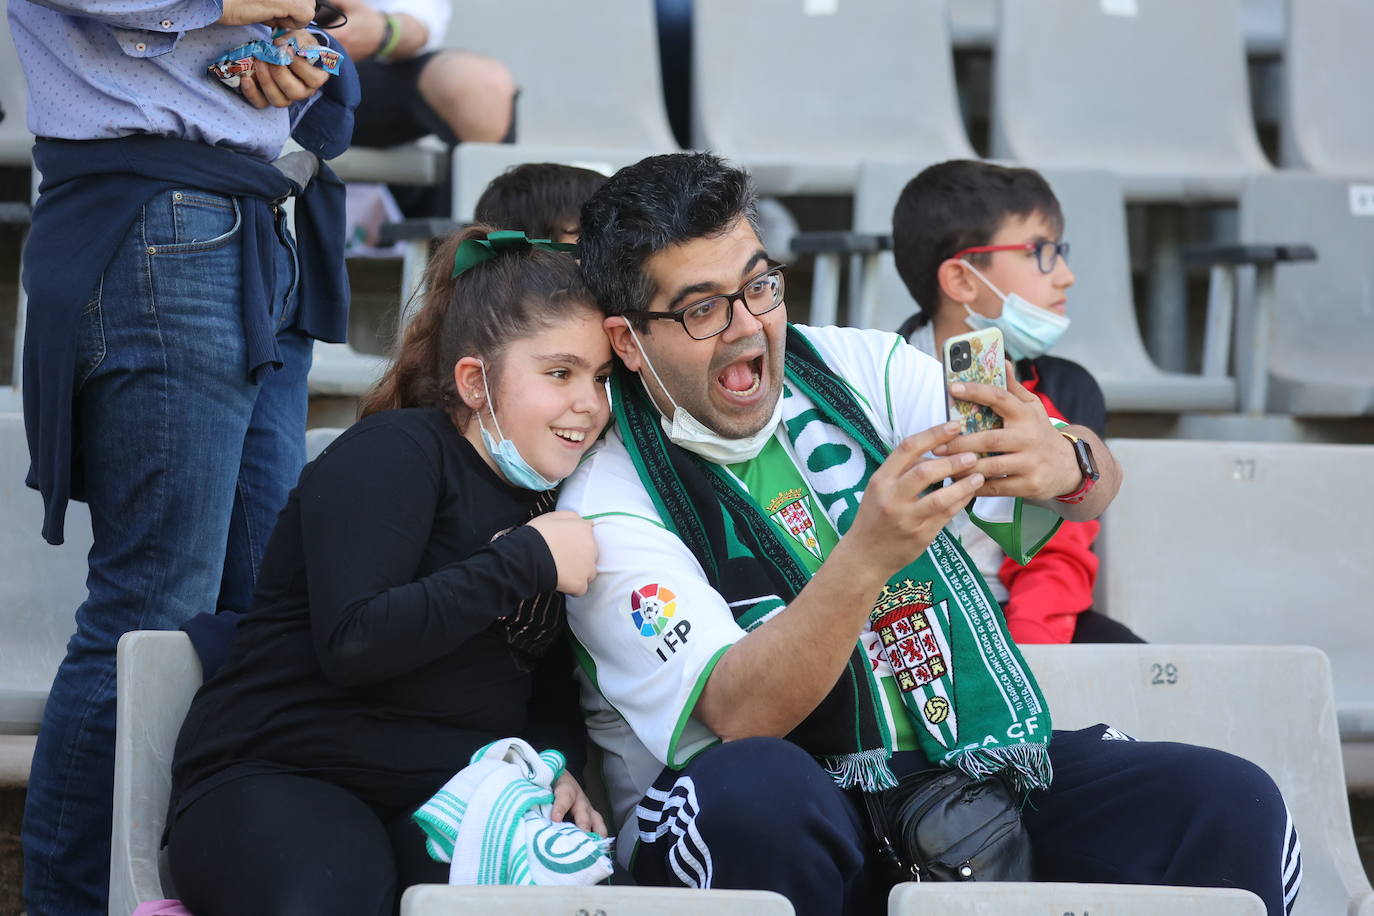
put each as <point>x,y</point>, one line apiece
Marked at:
<point>542,199</point>
<point>980,245</point>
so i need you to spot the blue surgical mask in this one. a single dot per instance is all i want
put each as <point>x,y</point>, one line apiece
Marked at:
<point>509,461</point>
<point>1028,331</point>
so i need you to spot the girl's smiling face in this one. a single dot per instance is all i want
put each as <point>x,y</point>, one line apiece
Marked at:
<point>549,392</point>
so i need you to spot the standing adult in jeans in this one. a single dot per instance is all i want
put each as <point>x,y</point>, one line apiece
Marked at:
<point>170,321</point>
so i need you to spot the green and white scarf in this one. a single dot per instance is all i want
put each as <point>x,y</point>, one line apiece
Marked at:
<point>491,822</point>
<point>963,682</point>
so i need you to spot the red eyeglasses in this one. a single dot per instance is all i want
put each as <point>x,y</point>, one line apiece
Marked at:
<point>1047,253</point>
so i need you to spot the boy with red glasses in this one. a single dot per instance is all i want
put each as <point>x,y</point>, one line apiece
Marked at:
<point>980,245</point>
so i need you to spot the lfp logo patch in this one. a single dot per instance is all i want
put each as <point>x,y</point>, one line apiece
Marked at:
<point>651,607</point>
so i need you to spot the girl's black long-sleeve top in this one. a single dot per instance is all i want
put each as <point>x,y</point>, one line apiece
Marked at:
<point>402,620</point>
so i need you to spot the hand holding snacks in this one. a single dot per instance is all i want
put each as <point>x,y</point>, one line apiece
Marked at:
<point>288,68</point>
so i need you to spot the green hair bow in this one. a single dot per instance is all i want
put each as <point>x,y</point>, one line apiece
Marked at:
<point>472,252</point>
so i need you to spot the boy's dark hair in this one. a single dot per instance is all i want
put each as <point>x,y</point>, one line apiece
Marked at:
<point>956,205</point>
<point>542,199</point>
<point>654,204</point>
<point>479,313</point>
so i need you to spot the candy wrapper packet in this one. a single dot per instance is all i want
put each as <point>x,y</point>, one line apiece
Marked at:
<point>230,66</point>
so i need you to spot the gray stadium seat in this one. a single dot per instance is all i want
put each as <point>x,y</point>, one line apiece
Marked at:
<point>1327,72</point>
<point>1158,95</point>
<point>317,439</point>
<point>40,587</point>
<point>16,143</point>
<point>445,900</point>
<point>1023,899</point>
<point>973,24</point>
<point>1247,542</point>
<point>158,673</point>
<point>1320,330</point>
<point>1271,705</point>
<point>588,73</point>
<point>590,86</point>
<point>1104,335</point>
<point>476,164</point>
<point>800,92</point>
<point>422,162</point>
<point>338,369</point>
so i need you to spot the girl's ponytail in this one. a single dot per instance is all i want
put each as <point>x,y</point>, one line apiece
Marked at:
<point>477,314</point>
<point>412,379</point>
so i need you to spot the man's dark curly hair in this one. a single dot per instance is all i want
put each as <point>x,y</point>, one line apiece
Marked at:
<point>654,204</point>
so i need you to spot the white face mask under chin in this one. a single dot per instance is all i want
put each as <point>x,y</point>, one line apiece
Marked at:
<point>690,433</point>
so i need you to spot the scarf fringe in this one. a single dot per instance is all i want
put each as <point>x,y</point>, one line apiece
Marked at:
<point>1026,765</point>
<point>865,770</point>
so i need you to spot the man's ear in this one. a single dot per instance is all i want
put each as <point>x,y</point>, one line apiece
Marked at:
<point>956,282</point>
<point>622,342</point>
<point>467,377</point>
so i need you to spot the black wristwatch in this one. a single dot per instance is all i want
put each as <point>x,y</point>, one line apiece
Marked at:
<point>1083,453</point>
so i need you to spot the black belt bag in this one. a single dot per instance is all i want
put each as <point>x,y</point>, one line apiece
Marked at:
<point>941,825</point>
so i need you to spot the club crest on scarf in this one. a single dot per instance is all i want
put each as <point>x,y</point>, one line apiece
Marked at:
<point>911,634</point>
<point>791,510</point>
<point>651,609</point>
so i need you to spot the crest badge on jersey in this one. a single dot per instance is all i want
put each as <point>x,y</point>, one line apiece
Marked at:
<point>914,651</point>
<point>791,509</point>
<point>652,608</point>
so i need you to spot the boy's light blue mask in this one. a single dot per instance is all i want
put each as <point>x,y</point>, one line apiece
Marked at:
<point>1028,331</point>
<point>509,461</point>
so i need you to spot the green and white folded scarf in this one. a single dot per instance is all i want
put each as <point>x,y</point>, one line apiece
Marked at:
<point>492,823</point>
<point>964,684</point>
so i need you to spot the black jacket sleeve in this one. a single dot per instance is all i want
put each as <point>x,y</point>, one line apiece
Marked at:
<point>367,508</point>
<point>555,709</point>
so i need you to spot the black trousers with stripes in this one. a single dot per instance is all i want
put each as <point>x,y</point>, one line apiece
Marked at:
<point>760,813</point>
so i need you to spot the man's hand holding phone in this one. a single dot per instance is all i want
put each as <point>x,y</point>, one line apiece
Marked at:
<point>1027,457</point>
<point>904,507</point>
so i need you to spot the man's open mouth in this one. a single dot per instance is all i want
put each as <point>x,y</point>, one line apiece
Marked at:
<point>742,379</point>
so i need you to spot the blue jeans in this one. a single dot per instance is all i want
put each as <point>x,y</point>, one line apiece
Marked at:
<point>187,463</point>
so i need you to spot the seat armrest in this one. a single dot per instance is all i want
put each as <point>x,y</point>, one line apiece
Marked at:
<point>421,229</point>
<point>14,213</point>
<point>1238,255</point>
<point>1241,329</point>
<point>840,242</point>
